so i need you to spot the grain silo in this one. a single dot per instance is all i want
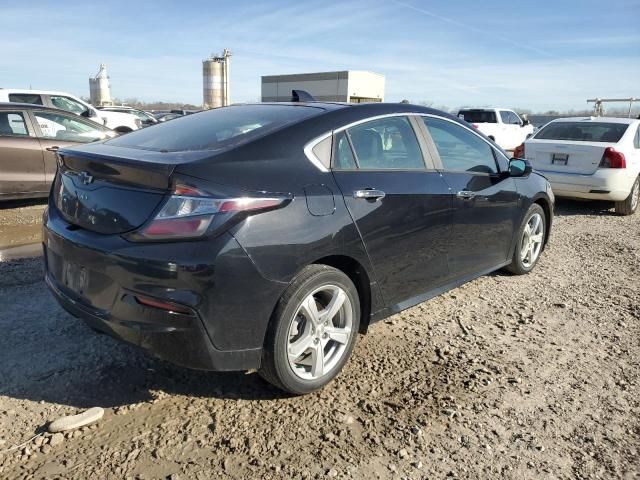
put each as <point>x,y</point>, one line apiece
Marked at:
<point>215,80</point>
<point>99,89</point>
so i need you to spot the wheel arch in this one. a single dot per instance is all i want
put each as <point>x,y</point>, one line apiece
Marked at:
<point>123,129</point>
<point>360,278</point>
<point>548,214</point>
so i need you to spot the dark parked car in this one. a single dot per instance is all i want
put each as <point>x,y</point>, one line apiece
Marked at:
<point>267,236</point>
<point>29,137</point>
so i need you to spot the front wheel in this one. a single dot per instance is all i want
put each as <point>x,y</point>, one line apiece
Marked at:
<point>629,205</point>
<point>530,241</point>
<point>312,332</point>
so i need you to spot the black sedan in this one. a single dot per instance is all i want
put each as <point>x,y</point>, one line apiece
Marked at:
<point>267,236</point>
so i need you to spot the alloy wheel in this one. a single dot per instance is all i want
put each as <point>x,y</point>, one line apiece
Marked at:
<point>532,238</point>
<point>635,195</point>
<point>319,332</point>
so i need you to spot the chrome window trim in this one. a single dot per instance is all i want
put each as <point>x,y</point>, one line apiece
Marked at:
<point>308,148</point>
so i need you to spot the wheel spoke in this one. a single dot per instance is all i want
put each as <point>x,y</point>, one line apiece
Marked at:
<point>536,223</point>
<point>317,360</point>
<point>340,335</point>
<point>537,238</point>
<point>310,309</point>
<point>300,346</point>
<point>334,306</point>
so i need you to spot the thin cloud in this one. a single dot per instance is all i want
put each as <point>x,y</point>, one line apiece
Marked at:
<point>491,34</point>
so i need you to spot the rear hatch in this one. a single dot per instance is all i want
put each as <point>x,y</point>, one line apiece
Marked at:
<point>105,191</point>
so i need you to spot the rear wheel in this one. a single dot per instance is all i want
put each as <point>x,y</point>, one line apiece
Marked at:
<point>313,330</point>
<point>530,241</point>
<point>630,204</point>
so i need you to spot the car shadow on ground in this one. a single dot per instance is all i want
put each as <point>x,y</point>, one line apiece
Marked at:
<point>567,207</point>
<point>29,202</point>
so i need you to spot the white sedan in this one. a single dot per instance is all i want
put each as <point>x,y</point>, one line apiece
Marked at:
<point>594,158</point>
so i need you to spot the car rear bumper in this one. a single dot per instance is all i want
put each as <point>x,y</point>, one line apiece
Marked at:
<point>604,184</point>
<point>215,324</point>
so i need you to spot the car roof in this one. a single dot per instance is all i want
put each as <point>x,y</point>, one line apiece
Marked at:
<point>26,106</point>
<point>628,121</point>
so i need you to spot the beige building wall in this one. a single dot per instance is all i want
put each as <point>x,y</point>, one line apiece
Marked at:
<point>324,86</point>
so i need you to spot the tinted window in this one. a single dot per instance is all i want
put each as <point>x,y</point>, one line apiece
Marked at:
<point>637,139</point>
<point>583,131</point>
<point>343,155</point>
<point>478,116</point>
<point>460,149</point>
<point>12,124</point>
<point>505,117</point>
<point>386,143</point>
<point>68,127</point>
<point>217,128</point>
<point>67,104</point>
<point>25,98</point>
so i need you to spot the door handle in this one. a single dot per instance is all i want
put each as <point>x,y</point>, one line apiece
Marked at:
<point>369,194</point>
<point>466,194</point>
<point>55,148</point>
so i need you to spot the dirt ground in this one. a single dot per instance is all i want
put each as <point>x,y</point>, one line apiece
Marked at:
<point>505,377</point>
<point>20,227</point>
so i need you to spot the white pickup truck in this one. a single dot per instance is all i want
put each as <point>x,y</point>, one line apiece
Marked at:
<point>505,127</point>
<point>120,122</point>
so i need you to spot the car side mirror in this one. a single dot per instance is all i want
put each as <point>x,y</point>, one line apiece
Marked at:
<point>525,122</point>
<point>519,167</point>
<point>86,113</point>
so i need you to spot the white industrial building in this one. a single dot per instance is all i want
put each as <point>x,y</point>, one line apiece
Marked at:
<point>346,86</point>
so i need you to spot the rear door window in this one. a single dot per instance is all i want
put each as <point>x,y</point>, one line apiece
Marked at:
<point>12,124</point>
<point>386,143</point>
<point>583,131</point>
<point>26,98</point>
<point>459,149</point>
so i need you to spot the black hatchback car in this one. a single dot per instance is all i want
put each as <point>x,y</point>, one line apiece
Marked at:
<point>267,236</point>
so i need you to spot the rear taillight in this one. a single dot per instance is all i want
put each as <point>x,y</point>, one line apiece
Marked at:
<point>190,212</point>
<point>518,152</point>
<point>612,158</point>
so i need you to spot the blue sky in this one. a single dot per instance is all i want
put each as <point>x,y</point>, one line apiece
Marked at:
<point>535,54</point>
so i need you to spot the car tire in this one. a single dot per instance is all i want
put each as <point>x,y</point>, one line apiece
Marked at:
<point>310,338</point>
<point>530,243</point>
<point>630,204</point>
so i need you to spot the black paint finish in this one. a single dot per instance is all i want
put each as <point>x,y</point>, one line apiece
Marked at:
<point>417,241</point>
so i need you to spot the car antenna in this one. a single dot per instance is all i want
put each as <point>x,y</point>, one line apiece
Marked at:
<point>301,96</point>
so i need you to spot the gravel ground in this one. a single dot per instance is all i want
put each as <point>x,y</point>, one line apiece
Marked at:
<point>20,222</point>
<point>505,377</point>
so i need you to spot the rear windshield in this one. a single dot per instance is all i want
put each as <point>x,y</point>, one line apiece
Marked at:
<point>583,131</point>
<point>478,116</point>
<point>214,129</point>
